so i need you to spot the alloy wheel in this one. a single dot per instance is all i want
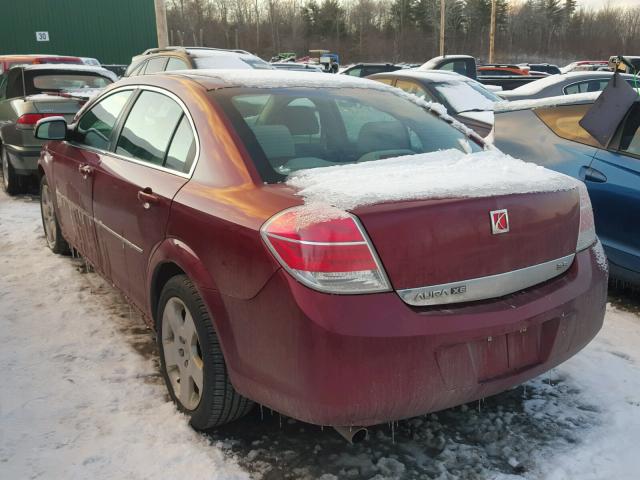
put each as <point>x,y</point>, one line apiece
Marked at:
<point>48,216</point>
<point>5,169</point>
<point>182,353</point>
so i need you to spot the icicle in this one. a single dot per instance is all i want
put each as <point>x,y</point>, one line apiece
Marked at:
<point>280,420</point>
<point>479,407</point>
<point>393,433</point>
<point>261,413</point>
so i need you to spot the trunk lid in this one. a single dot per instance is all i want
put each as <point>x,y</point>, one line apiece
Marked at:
<point>440,241</point>
<point>65,106</point>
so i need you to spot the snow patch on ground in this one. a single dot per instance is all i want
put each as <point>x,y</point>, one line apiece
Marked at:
<point>443,174</point>
<point>77,400</point>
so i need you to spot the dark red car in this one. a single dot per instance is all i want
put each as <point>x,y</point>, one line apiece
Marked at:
<point>174,187</point>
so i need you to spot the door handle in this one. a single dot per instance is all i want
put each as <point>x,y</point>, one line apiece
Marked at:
<point>85,170</point>
<point>147,197</point>
<point>593,175</point>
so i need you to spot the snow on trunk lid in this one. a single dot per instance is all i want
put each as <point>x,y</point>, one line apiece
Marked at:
<point>429,215</point>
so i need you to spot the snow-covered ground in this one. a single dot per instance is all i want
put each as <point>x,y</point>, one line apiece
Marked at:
<point>81,397</point>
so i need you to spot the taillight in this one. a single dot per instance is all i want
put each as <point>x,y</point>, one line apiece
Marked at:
<point>587,234</point>
<point>331,255</point>
<point>32,118</point>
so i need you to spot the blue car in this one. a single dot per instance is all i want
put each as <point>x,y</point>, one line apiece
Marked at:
<point>547,133</point>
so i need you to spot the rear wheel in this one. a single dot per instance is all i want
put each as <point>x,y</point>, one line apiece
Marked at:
<point>191,359</point>
<point>11,181</point>
<point>52,233</point>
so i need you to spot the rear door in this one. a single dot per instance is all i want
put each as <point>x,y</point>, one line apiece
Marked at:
<point>614,186</point>
<point>135,185</point>
<point>74,165</point>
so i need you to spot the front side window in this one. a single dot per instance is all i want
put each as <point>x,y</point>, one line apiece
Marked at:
<point>292,129</point>
<point>96,125</point>
<point>414,89</point>
<point>149,128</point>
<point>355,72</point>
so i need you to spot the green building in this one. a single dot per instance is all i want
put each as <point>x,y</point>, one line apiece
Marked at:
<point>110,30</point>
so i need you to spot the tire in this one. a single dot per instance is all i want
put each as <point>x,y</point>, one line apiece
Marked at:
<point>52,232</point>
<point>11,181</point>
<point>214,402</point>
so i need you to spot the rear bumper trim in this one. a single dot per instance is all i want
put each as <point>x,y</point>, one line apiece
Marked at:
<point>483,288</point>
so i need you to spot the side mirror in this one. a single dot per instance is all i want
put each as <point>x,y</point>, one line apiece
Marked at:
<point>51,128</point>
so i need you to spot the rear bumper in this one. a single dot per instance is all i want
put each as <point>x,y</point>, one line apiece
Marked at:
<point>368,359</point>
<point>24,160</point>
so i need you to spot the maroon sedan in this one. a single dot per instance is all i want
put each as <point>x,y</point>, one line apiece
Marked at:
<point>177,188</point>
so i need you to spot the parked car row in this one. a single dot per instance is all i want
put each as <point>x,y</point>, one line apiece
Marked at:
<point>339,249</point>
<point>29,93</point>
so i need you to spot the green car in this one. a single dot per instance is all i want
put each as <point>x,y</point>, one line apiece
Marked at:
<point>30,93</point>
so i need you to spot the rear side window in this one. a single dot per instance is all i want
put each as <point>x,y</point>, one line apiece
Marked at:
<point>155,65</point>
<point>588,86</point>
<point>563,121</point>
<point>458,66</point>
<point>95,126</point>
<point>149,128</point>
<point>176,64</point>
<point>182,151</point>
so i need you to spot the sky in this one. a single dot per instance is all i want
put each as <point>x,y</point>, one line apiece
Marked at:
<point>614,3</point>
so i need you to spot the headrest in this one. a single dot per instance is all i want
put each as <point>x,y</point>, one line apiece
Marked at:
<point>383,136</point>
<point>275,140</point>
<point>301,120</point>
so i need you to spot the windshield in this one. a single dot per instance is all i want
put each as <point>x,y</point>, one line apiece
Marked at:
<point>464,96</point>
<point>232,61</point>
<point>292,129</point>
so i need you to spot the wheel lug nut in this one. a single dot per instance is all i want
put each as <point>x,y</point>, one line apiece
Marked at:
<point>186,363</point>
<point>181,352</point>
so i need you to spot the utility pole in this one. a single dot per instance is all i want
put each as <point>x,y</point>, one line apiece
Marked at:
<point>441,28</point>
<point>161,23</point>
<point>492,33</point>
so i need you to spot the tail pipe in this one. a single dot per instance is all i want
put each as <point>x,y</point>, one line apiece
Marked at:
<point>352,434</point>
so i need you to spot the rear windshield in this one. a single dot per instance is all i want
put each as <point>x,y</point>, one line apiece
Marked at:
<point>231,61</point>
<point>292,129</point>
<point>65,81</point>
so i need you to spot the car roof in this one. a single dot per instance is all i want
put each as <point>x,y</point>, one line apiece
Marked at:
<point>214,79</point>
<point>35,55</point>
<point>428,75</point>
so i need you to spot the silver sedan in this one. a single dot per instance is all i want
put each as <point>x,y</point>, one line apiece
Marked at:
<point>565,84</point>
